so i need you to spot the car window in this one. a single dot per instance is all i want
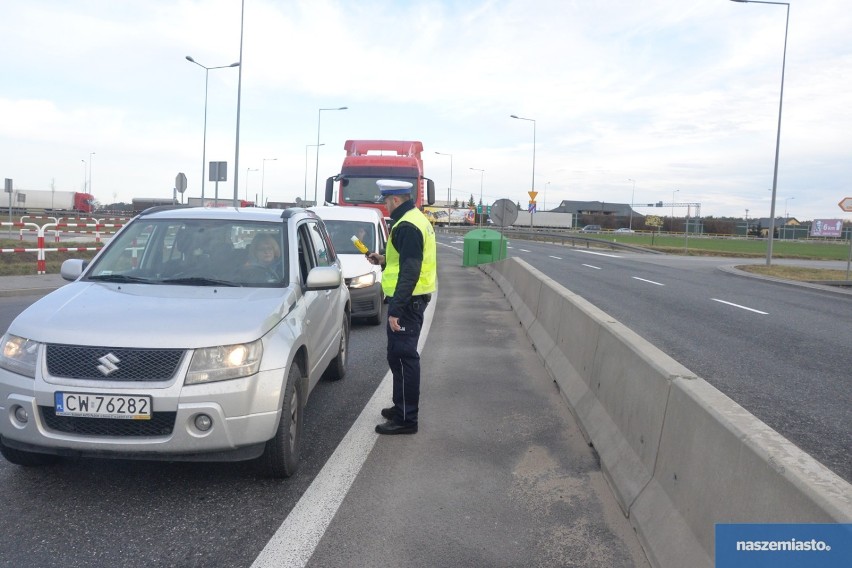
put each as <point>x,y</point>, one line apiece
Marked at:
<point>342,232</point>
<point>192,252</point>
<point>323,252</point>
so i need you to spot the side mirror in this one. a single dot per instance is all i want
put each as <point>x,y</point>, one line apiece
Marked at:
<point>430,191</point>
<point>329,190</point>
<point>72,268</point>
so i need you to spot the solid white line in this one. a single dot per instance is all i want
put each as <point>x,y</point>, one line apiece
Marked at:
<point>739,306</point>
<point>523,250</point>
<point>556,257</point>
<point>597,253</point>
<point>648,281</point>
<point>595,267</point>
<point>294,542</point>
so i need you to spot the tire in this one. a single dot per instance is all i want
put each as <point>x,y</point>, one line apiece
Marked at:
<point>281,456</point>
<point>27,459</point>
<point>337,367</point>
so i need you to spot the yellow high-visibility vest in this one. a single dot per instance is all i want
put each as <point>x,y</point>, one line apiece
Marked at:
<point>429,268</point>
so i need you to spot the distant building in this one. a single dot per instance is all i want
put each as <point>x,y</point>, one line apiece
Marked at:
<point>595,208</point>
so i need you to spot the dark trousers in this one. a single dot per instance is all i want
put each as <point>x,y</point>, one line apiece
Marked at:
<point>404,361</point>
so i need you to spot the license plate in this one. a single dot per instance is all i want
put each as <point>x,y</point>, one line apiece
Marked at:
<point>116,406</point>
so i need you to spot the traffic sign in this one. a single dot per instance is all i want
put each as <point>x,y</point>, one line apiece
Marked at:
<point>504,212</point>
<point>180,182</point>
<point>532,195</point>
<point>532,207</point>
<point>846,204</point>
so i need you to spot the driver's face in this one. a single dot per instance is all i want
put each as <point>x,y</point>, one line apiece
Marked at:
<point>265,253</point>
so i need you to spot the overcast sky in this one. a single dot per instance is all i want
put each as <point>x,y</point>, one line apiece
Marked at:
<point>680,96</point>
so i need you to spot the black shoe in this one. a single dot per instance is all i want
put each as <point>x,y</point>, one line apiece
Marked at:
<point>389,413</point>
<point>390,427</point>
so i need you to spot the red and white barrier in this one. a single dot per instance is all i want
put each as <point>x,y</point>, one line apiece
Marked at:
<point>40,249</point>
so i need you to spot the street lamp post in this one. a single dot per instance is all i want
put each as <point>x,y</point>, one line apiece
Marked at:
<point>449,189</point>
<point>247,173</point>
<point>778,135</point>
<point>632,200</point>
<point>239,98</point>
<point>262,177</point>
<point>481,204</point>
<point>671,229</point>
<point>305,197</point>
<point>319,122</point>
<point>532,187</point>
<point>90,172</point>
<point>544,200</point>
<point>85,180</point>
<point>204,142</point>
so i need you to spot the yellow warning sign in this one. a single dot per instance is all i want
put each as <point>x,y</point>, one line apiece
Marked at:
<point>532,194</point>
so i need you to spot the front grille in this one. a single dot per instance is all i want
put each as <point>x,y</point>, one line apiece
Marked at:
<point>361,306</point>
<point>112,363</point>
<point>160,424</point>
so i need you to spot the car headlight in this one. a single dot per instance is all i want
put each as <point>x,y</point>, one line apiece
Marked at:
<point>363,281</point>
<point>224,362</point>
<point>19,355</point>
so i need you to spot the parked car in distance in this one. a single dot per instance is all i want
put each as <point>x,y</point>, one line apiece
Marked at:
<point>591,229</point>
<point>196,334</point>
<point>624,230</point>
<point>363,279</point>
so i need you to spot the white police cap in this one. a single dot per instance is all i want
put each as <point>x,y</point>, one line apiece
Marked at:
<point>394,187</point>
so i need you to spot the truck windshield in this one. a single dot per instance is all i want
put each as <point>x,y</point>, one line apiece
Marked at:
<point>364,189</point>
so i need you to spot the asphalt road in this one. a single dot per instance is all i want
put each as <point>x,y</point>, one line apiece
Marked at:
<point>119,513</point>
<point>780,351</point>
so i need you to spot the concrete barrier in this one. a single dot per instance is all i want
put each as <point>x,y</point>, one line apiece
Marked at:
<point>679,455</point>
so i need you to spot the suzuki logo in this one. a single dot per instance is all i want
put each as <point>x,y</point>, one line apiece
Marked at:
<point>108,364</point>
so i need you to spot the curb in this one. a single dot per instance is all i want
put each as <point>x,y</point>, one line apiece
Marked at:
<point>731,269</point>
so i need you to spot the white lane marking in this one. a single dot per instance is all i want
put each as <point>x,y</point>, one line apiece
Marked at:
<point>739,306</point>
<point>648,281</point>
<point>597,253</point>
<point>595,267</point>
<point>294,542</point>
<point>448,246</point>
<point>556,257</point>
<point>523,250</point>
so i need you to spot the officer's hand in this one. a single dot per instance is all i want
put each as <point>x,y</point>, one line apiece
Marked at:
<point>376,258</point>
<point>394,323</point>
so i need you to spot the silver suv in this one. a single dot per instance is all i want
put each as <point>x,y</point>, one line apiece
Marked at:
<point>196,334</point>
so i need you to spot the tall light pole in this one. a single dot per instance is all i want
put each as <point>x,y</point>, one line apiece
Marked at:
<point>544,201</point>
<point>481,203</point>
<point>204,142</point>
<point>532,187</point>
<point>305,197</point>
<point>85,179</point>
<point>632,199</point>
<point>786,215</point>
<point>673,202</point>
<point>247,173</point>
<point>239,96</point>
<point>262,177</point>
<point>778,135</point>
<point>319,122</point>
<point>90,172</point>
<point>449,188</point>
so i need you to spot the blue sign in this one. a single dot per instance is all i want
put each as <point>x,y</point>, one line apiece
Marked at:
<point>531,207</point>
<point>783,545</point>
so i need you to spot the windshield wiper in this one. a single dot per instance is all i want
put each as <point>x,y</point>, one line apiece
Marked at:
<point>198,281</point>
<point>123,278</point>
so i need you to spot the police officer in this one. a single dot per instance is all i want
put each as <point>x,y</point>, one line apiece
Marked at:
<point>408,280</point>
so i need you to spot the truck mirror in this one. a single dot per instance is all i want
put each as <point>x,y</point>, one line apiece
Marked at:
<point>329,190</point>
<point>430,191</point>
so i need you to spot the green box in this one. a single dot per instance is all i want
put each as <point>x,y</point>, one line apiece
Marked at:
<point>482,246</point>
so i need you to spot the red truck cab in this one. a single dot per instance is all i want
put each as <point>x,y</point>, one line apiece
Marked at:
<point>368,161</point>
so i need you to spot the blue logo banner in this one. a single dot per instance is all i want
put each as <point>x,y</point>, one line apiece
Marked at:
<point>783,545</point>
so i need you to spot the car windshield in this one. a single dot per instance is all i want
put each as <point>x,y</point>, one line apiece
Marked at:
<point>196,253</point>
<point>342,232</point>
<point>364,189</point>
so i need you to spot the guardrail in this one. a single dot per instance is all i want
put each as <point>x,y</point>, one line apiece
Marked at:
<point>678,454</point>
<point>40,248</point>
